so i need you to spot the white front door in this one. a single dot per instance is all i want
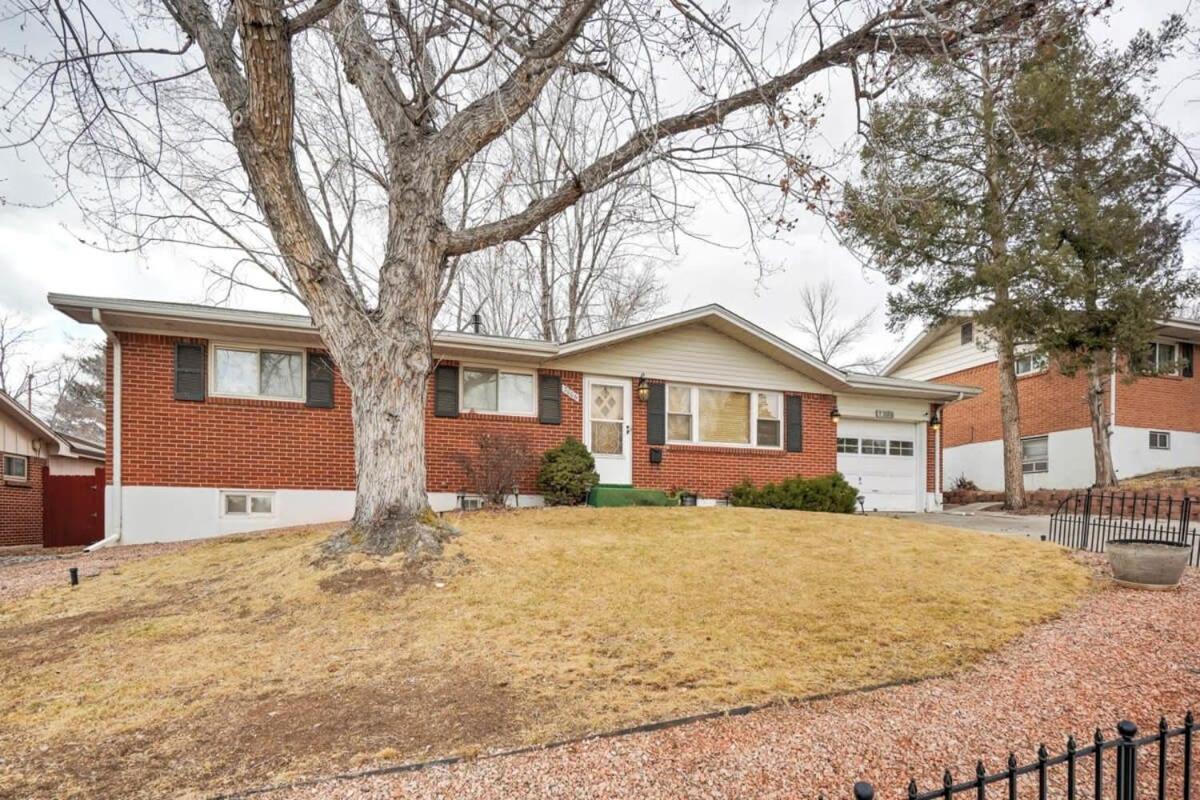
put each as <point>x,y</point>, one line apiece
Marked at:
<point>882,460</point>
<point>608,429</point>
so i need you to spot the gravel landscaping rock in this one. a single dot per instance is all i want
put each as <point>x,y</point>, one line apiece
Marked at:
<point>1123,654</point>
<point>23,572</point>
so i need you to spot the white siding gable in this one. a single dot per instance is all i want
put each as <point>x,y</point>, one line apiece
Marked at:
<point>947,355</point>
<point>694,353</point>
<point>14,437</point>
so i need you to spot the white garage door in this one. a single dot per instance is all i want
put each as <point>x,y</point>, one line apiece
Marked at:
<point>880,458</point>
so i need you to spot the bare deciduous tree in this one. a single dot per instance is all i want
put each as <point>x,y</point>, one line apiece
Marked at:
<point>588,270</point>
<point>74,392</point>
<point>353,151</point>
<point>20,376</point>
<point>830,335</point>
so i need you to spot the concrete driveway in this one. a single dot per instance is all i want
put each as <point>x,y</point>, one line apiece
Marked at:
<point>973,517</point>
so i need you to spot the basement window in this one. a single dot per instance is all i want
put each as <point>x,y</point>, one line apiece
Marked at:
<point>247,504</point>
<point>1035,455</point>
<point>16,468</point>
<point>1160,440</point>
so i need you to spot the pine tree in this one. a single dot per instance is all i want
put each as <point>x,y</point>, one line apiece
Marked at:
<point>937,211</point>
<point>1106,249</point>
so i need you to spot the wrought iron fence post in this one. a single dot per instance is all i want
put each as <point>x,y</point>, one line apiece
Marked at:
<point>1189,723</point>
<point>1087,520</point>
<point>864,791</point>
<point>1126,761</point>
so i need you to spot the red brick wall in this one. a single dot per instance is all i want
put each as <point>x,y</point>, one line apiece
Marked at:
<point>1162,402</point>
<point>931,452</point>
<point>1048,401</point>
<point>711,471</point>
<point>252,444</point>
<point>21,507</point>
<point>271,444</point>
<point>449,439</point>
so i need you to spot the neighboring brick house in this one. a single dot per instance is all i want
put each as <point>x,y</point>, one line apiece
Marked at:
<point>222,421</point>
<point>31,453</point>
<point>1155,419</point>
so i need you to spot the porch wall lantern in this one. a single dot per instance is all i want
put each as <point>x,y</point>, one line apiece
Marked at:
<point>936,422</point>
<point>643,388</point>
<point>835,415</point>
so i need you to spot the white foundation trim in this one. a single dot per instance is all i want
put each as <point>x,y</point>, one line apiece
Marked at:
<point>1071,458</point>
<point>172,513</point>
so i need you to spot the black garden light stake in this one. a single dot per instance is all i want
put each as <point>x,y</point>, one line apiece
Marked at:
<point>74,573</point>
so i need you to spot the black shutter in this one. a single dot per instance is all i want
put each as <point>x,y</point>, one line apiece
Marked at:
<point>319,391</point>
<point>1187,353</point>
<point>549,399</point>
<point>189,371</point>
<point>445,388</point>
<point>793,418</point>
<point>656,414</point>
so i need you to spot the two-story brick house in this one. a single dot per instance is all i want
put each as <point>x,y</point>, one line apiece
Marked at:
<point>1155,419</point>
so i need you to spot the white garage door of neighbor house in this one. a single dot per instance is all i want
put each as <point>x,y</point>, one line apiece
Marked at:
<point>880,459</point>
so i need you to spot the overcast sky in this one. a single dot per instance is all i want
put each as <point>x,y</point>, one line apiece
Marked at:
<point>45,249</point>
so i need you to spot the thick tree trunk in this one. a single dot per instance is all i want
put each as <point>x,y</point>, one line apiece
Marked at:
<point>1010,425</point>
<point>1106,475</point>
<point>391,512</point>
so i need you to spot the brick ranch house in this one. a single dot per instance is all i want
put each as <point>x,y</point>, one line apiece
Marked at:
<point>1155,419</point>
<point>222,421</point>
<point>34,458</point>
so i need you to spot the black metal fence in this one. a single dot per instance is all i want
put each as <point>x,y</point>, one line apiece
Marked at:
<point>1072,771</point>
<point>1089,520</point>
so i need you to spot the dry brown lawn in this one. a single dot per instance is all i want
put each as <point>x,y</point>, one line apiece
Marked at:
<point>237,662</point>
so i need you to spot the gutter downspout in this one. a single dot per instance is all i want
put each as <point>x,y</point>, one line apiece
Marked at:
<point>113,536</point>
<point>1112,395</point>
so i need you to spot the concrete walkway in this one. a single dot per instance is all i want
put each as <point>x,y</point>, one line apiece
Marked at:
<point>974,517</point>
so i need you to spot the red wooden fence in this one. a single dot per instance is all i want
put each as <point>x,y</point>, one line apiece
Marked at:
<point>72,509</point>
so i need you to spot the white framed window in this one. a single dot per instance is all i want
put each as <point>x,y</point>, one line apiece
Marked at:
<point>1030,363</point>
<point>1035,454</point>
<point>270,373</point>
<point>900,447</point>
<point>847,445</point>
<point>966,334</point>
<point>247,504</point>
<point>679,413</point>
<point>1164,358</point>
<point>874,447</point>
<point>1160,440</point>
<point>768,419</point>
<point>712,415</point>
<point>497,391</point>
<point>16,468</point>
